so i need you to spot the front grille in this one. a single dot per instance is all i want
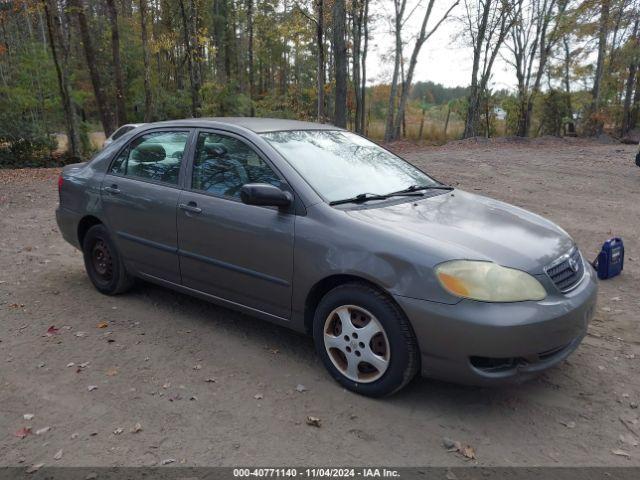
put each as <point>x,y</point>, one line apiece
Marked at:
<point>567,271</point>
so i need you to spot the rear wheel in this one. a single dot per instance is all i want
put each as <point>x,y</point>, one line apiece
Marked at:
<point>365,340</point>
<point>103,264</point>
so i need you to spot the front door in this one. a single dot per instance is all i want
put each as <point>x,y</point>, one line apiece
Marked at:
<point>237,252</point>
<point>139,195</point>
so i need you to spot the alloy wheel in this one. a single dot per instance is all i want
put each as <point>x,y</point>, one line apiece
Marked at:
<point>356,343</point>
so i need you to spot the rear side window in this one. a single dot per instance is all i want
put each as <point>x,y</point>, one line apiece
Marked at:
<point>153,156</point>
<point>223,164</point>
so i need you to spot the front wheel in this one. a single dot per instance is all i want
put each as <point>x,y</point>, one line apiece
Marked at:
<point>365,340</point>
<point>103,264</point>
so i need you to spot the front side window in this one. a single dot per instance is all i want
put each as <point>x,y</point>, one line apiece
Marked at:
<point>153,156</point>
<point>223,164</point>
<point>340,165</point>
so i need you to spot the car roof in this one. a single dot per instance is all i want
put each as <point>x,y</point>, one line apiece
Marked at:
<point>257,125</point>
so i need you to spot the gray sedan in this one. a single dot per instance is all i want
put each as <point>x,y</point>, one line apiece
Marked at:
<point>318,229</point>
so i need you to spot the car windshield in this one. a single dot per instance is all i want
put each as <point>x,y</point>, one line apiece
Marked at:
<point>340,165</point>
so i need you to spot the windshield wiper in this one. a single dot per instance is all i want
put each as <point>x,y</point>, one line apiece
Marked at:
<point>417,188</point>
<point>364,197</point>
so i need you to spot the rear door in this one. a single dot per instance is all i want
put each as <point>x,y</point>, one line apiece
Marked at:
<point>139,195</point>
<point>238,252</point>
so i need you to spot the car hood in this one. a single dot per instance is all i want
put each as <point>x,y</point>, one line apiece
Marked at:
<point>462,225</point>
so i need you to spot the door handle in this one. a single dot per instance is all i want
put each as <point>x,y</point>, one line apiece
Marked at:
<point>190,207</point>
<point>112,189</point>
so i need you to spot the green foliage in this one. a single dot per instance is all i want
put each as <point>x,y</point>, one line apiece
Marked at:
<point>224,100</point>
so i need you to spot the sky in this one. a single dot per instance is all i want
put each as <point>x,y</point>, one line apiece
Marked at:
<point>443,58</point>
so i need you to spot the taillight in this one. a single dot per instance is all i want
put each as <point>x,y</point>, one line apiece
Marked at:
<point>60,182</point>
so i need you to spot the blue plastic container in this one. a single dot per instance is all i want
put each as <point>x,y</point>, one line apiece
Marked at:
<point>610,261</point>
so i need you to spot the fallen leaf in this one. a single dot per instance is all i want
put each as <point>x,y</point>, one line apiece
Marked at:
<point>23,432</point>
<point>58,455</point>
<point>74,435</point>
<point>81,334</point>
<point>454,446</point>
<point>197,367</point>
<point>118,431</point>
<point>193,398</point>
<point>112,372</point>
<point>70,364</point>
<point>103,325</point>
<point>621,453</point>
<point>166,385</point>
<point>569,424</point>
<point>84,365</point>
<point>301,388</point>
<point>258,396</point>
<point>468,451</point>
<point>167,461</point>
<point>34,468</point>
<point>136,428</point>
<point>43,430</point>
<point>450,475</point>
<point>210,380</point>
<point>52,330</point>
<point>313,421</point>
<point>91,388</point>
<point>28,416</point>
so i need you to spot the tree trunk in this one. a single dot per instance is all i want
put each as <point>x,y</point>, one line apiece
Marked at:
<point>60,53</point>
<point>121,112</point>
<point>106,114</point>
<point>595,123</point>
<point>363,59</point>
<point>358,12</point>
<point>340,60</point>
<point>631,77</point>
<point>399,6</point>
<point>321,62</point>
<point>446,122</point>
<point>250,60</point>
<point>422,38</point>
<point>148,98</point>
<point>190,25</point>
<point>473,108</point>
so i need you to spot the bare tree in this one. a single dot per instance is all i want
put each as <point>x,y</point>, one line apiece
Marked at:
<point>531,40</point>
<point>486,24</point>
<point>59,45</point>
<point>423,36</point>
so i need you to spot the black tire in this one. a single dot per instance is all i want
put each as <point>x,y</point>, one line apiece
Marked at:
<point>103,263</point>
<point>404,358</point>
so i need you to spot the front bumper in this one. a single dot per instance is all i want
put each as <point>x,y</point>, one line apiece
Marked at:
<point>479,343</point>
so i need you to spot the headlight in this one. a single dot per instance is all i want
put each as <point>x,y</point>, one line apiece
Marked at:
<point>488,282</point>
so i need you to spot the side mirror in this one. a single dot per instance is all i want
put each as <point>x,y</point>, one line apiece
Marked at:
<point>265,195</point>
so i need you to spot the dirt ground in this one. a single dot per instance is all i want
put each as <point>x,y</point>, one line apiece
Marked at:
<point>180,379</point>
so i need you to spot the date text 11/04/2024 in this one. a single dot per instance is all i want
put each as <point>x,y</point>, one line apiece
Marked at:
<point>368,472</point>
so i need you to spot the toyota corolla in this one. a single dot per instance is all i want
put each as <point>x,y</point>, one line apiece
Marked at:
<point>318,229</point>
